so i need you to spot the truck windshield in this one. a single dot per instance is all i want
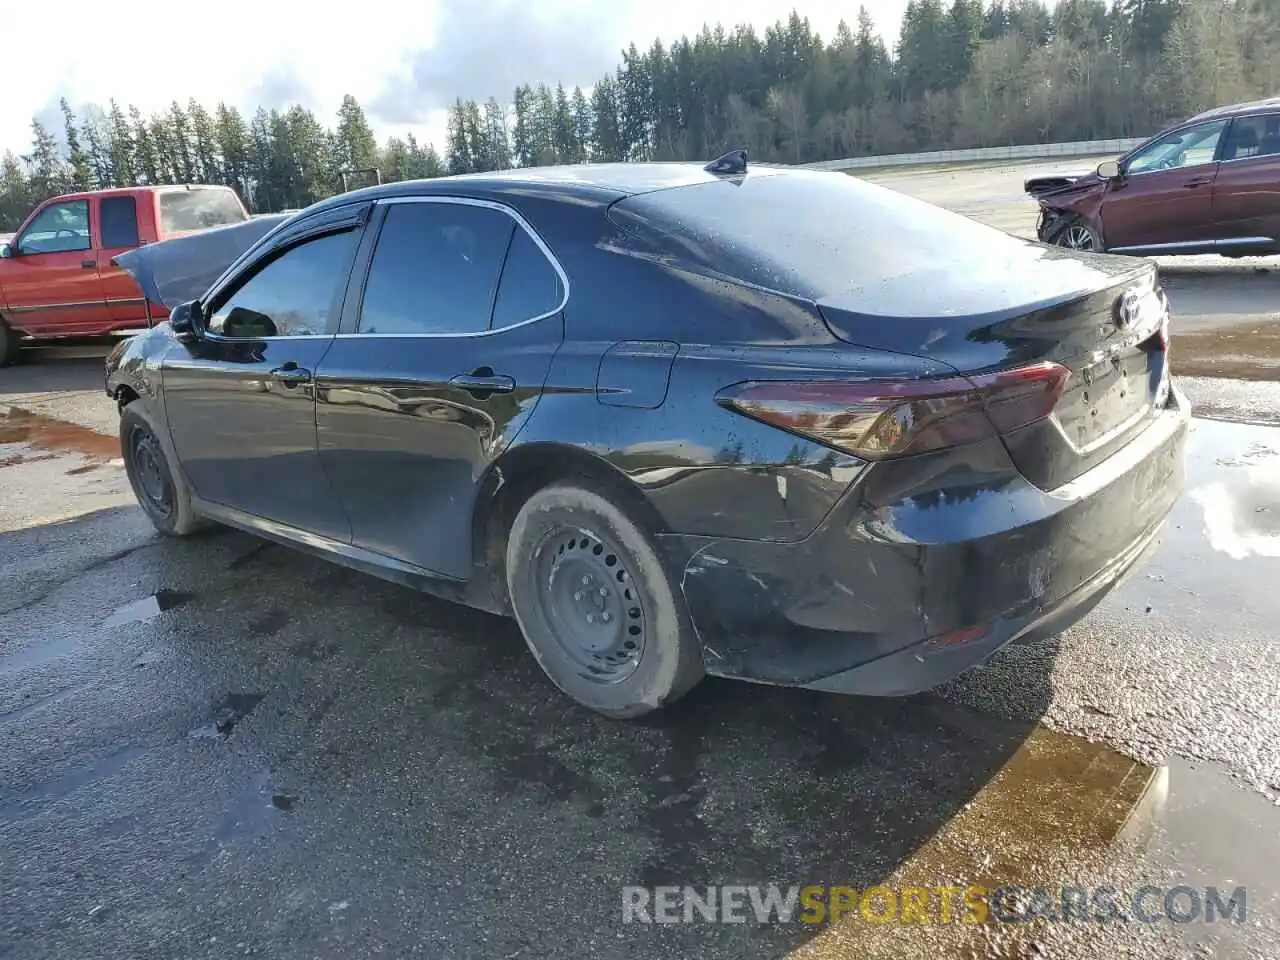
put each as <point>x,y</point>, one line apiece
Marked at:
<point>196,209</point>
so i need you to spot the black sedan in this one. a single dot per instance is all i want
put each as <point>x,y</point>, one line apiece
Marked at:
<point>772,424</point>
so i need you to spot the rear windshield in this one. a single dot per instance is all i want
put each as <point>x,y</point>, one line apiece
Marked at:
<point>182,210</point>
<point>803,233</point>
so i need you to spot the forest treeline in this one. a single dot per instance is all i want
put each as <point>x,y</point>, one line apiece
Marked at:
<point>961,75</point>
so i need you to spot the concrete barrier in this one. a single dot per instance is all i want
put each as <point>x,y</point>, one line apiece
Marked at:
<point>1080,148</point>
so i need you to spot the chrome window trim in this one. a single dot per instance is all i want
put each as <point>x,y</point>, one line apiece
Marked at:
<point>520,221</point>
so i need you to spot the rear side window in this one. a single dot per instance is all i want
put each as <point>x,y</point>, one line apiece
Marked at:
<point>1252,137</point>
<point>119,222</point>
<point>806,234</point>
<point>530,284</point>
<point>198,209</point>
<point>435,269</point>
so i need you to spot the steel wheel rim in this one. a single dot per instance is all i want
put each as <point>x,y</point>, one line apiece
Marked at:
<point>152,480</point>
<point>1077,237</point>
<point>587,598</point>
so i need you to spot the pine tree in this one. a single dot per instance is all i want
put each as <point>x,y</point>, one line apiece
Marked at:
<point>47,176</point>
<point>80,174</point>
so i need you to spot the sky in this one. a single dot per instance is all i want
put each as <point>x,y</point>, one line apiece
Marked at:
<point>404,65</point>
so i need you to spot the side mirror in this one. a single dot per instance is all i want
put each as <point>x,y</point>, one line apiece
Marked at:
<point>8,251</point>
<point>1110,170</point>
<point>187,321</point>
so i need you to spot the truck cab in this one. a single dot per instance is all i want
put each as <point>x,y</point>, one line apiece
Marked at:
<point>57,279</point>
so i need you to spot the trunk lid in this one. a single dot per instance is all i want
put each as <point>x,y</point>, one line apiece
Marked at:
<point>1103,318</point>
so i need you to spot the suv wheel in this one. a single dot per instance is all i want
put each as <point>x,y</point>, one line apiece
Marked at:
<point>1075,234</point>
<point>596,605</point>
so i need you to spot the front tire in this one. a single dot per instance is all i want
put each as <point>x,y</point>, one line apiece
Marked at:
<point>599,611</point>
<point>161,490</point>
<point>1075,234</point>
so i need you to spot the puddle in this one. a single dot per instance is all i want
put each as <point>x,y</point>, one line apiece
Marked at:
<point>230,712</point>
<point>45,433</point>
<point>148,608</point>
<point>31,801</point>
<point>1241,503</point>
<point>1249,351</point>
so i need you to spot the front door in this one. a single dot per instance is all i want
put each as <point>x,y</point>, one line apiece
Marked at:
<point>240,402</point>
<point>437,369</point>
<point>52,281</point>
<point>1165,197</point>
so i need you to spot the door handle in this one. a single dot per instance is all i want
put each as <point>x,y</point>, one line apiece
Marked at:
<point>1197,182</point>
<point>291,374</point>
<point>88,264</point>
<point>484,381</point>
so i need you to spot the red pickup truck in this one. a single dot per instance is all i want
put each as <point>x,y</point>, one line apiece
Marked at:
<point>57,280</point>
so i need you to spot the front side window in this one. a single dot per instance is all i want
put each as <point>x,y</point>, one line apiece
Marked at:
<point>1184,148</point>
<point>435,269</point>
<point>294,295</point>
<point>58,228</point>
<point>198,209</point>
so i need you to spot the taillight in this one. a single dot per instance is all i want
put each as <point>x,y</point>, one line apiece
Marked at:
<point>879,419</point>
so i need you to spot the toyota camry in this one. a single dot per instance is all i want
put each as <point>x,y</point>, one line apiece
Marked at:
<point>771,424</point>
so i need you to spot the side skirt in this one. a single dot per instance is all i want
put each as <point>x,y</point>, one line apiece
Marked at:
<point>468,592</point>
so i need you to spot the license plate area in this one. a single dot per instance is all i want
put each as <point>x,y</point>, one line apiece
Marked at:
<point>1113,393</point>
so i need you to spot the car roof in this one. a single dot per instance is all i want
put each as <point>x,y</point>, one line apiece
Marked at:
<point>1238,109</point>
<point>591,183</point>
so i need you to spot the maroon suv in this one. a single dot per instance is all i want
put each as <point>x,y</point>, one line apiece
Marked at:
<point>1208,185</point>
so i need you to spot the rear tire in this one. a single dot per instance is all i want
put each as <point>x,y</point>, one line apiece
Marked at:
<point>162,491</point>
<point>9,345</point>
<point>597,607</point>
<point>1075,234</point>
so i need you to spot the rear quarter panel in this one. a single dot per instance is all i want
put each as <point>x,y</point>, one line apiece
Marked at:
<point>705,469</point>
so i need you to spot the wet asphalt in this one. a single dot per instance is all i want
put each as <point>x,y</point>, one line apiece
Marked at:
<point>218,747</point>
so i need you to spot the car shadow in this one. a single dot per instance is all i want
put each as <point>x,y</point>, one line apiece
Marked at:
<point>423,750</point>
<point>50,369</point>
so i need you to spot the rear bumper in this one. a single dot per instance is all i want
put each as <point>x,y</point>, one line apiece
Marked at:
<point>918,576</point>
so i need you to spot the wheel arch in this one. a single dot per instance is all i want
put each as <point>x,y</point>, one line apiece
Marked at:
<point>519,473</point>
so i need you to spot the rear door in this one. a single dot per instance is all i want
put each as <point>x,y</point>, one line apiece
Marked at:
<point>52,281</point>
<point>1166,194</point>
<point>1246,193</point>
<point>446,344</point>
<point>118,233</point>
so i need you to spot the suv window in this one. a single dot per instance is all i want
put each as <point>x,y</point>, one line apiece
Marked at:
<point>1184,148</point>
<point>1252,137</point>
<point>198,209</point>
<point>294,295</point>
<point>530,285</point>
<point>58,228</point>
<point>435,269</point>
<point>119,225</point>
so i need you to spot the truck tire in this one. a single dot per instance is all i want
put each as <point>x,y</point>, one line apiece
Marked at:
<point>9,346</point>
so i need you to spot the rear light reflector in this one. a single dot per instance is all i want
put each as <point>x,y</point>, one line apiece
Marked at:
<point>880,419</point>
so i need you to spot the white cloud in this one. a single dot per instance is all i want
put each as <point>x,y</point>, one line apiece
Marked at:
<point>273,52</point>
